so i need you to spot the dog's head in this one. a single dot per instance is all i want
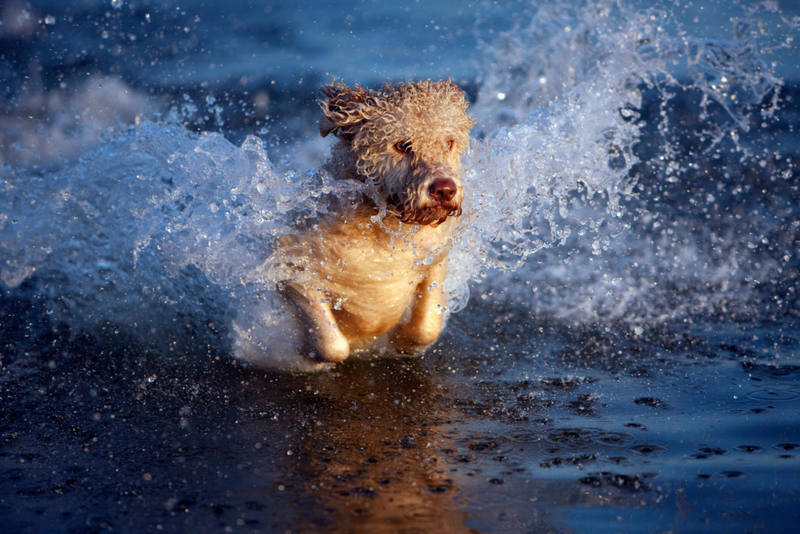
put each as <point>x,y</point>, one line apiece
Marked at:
<point>407,139</point>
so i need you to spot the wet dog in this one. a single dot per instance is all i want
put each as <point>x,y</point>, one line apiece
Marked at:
<point>379,267</point>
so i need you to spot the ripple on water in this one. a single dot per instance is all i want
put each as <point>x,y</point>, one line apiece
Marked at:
<point>748,411</point>
<point>524,436</point>
<point>634,483</point>
<point>483,498</point>
<point>780,394</point>
<point>773,372</point>
<point>703,452</point>
<point>748,448</point>
<point>577,460</point>
<point>614,439</point>
<point>422,514</point>
<point>648,449</point>
<point>583,438</point>
<point>571,438</point>
<point>731,474</point>
<point>650,401</point>
<point>483,445</point>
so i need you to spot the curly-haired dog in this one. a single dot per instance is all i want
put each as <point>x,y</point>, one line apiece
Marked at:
<point>364,277</point>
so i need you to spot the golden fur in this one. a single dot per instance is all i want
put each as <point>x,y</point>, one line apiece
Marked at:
<point>363,276</point>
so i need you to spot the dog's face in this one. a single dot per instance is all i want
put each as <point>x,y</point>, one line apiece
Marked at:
<point>408,140</point>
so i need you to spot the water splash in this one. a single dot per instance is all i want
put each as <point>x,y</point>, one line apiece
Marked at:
<point>574,155</point>
<point>563,212</point>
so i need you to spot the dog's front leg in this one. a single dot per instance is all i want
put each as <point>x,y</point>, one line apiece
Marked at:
<point>425,323</point>
<point>327,342</point>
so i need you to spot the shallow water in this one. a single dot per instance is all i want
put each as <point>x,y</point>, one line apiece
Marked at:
<point>623,352</point>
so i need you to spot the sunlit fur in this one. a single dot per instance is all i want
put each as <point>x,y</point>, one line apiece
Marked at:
<point>356,279</point>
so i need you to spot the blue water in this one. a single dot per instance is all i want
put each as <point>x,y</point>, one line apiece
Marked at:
<point>623,351</point>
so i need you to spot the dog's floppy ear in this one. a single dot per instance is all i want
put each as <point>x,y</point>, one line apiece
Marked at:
<point>343,109</point>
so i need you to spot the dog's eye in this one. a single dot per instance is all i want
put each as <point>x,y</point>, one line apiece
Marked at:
<point>404,146</point>
<point>451,144</point>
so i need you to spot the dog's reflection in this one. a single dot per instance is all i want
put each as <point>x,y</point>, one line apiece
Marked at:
<point>374,454</point>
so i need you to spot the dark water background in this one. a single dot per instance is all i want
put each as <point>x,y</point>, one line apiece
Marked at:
<point>646,381</point>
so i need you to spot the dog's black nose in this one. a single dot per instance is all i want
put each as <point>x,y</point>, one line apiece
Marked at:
<point>443,189</point>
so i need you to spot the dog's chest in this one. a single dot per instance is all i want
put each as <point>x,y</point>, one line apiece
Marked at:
<point>365,259</point>
<point>371,276</point>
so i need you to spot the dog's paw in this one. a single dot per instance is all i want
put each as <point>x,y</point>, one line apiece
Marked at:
<point>408,347</point>
<point>330,349</point>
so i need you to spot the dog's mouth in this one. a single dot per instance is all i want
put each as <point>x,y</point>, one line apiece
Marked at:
<point>429,215</point>
<point>433,217</point>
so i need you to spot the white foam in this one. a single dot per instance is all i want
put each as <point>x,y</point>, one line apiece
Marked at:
<point>44,128</point>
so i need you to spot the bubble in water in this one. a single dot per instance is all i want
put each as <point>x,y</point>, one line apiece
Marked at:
<point>116,4</point>
<point>50,20</point>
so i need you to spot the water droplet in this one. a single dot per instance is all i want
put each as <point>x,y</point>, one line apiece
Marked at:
<point>50,20</point>
<point>116,4</point>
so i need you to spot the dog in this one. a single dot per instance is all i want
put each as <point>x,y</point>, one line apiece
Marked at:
<point>378,266</point>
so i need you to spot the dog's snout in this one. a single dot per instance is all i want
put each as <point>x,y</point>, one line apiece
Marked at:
<point>443,189</point>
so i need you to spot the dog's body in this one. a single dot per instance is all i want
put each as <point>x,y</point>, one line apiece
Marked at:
<point>363,283</point>
<point>362,275</point>
<point>366,280</point>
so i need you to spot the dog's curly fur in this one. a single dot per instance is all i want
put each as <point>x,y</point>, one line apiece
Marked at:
<point>359,280</point>
<point>401,138</point>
